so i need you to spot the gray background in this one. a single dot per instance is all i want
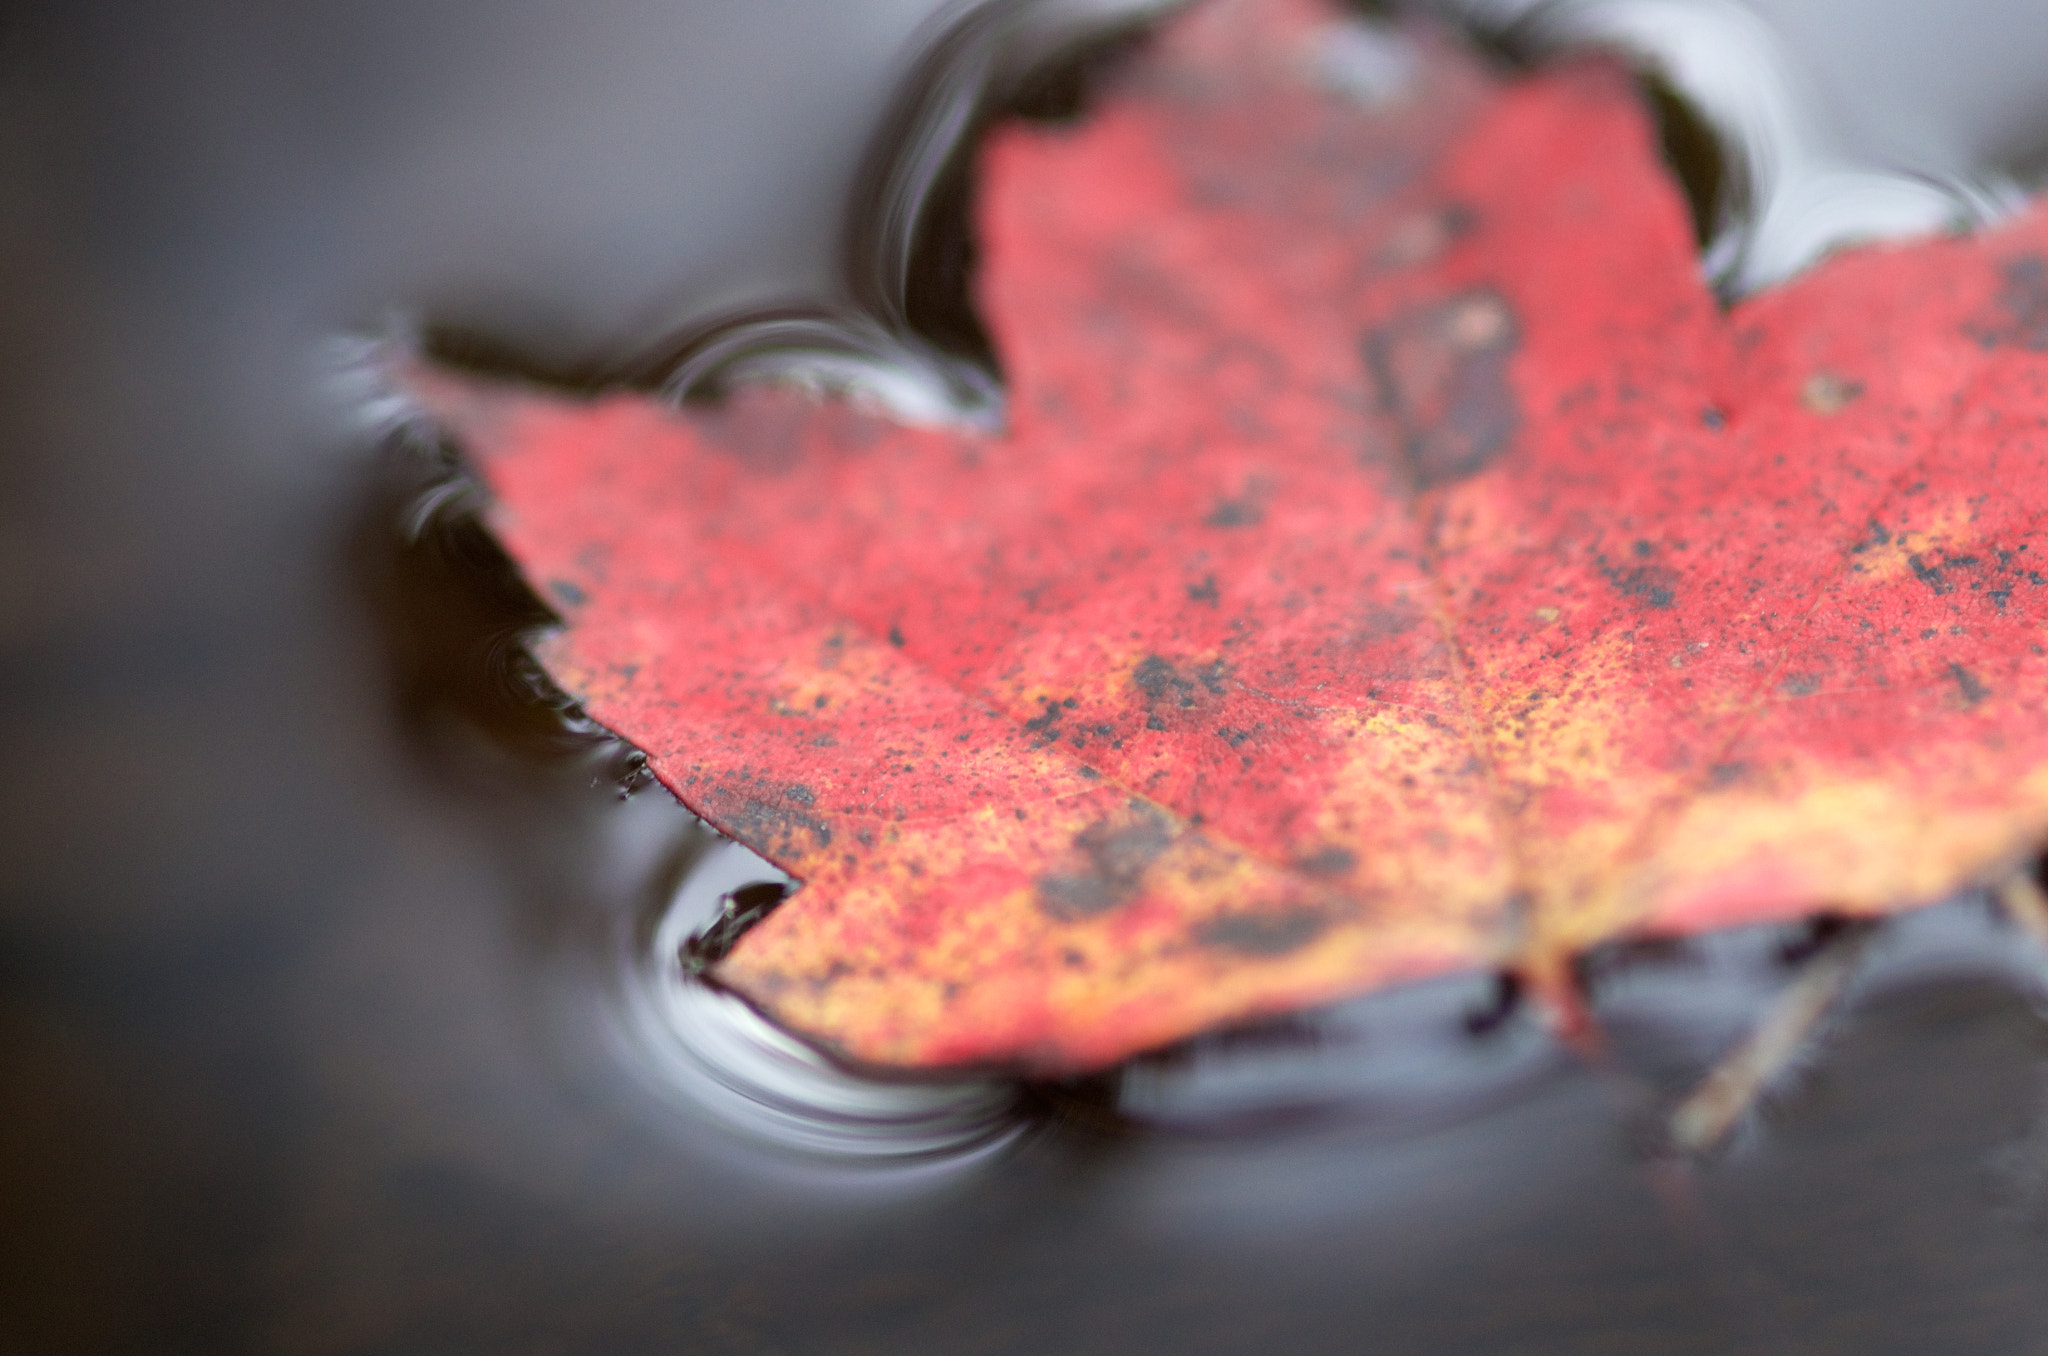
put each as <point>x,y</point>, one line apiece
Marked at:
<point>272,1074</point>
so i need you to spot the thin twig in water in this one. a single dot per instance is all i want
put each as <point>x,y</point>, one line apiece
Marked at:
<point>1733,1086</point>
<point>2026,904</point>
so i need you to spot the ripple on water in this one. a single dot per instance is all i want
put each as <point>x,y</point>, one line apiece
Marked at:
<point>702,1045</point>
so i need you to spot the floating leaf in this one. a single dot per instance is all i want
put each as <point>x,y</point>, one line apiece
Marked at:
<point>1392,560</point>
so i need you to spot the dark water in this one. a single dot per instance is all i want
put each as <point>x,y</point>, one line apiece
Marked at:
<point>334,1014</point>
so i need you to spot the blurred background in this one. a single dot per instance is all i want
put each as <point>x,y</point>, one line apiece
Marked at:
<point>324,1018</point>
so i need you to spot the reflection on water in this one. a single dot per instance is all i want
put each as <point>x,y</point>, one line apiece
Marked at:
<point>1401,1063</point>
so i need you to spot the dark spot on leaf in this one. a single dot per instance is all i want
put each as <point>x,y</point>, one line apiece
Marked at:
<point>1112,858</point>
<point>1651,584</point>
<point>1068,898</point>
<point>770,827</point>
<point>1968,686</point>
<point>1800,685</point>
<point>1329,861</point>
<point>1244,511</point>
<point>1167,687</point>
<point>2023,297</point>
<point>568,592</point>
<point>1726,774</point>
<point>1155,677</point>
<point>1262,934</point>
<point>1929,575</point>
<point>1044,728</point>
<point>896,636</point>
<point>1380,622</point>
<point>1441,373</point>
<point>1204,592</point>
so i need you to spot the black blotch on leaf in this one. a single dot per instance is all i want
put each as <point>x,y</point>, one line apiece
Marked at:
<point>1726,774</point>
<point>1262,934</point>
<point>1929,575</point>
<point>1114,854</point>
<point>1165,686</point>
<point>1329,861</point>
<point>1879,535</point>
<point>1044,728</point>
<point>1440,372</point>
<point>1968,686</point>
<point>2023,298</point>
<point>1243,511</point>
<point>1653,585</point>
<point>762,817</point>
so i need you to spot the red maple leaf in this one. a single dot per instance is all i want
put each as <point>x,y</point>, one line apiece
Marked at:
<point>1392,559</point>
